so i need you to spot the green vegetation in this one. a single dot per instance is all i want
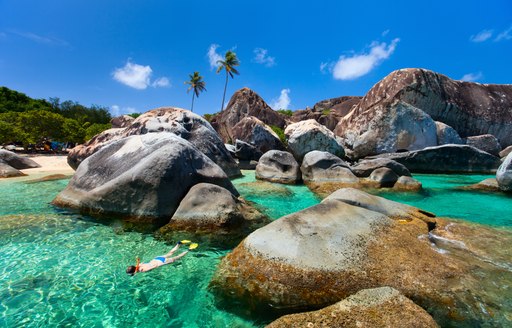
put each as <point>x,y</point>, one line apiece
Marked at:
<point>31,121</point>
<point>197,85</point>
<point>279,132</point>
<point>134,115</point>
<point>210,117</point>
<point>228,64</point>
<point>326,111</point>
<point>286,112</point>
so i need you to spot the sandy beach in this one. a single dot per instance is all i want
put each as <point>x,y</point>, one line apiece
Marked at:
<point>50,165</point>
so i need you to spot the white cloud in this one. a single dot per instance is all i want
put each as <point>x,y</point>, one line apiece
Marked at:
<point>472,77</point>
<point>161,82</point>
<point>138,76</point>
<point>482,36</point>
<point>505,35</point>
<point>385,33</point>
<point>350,68</point>
<point>213,56</point>
<point>41,39</point>
<point>283,102</point>
<point>262,57</point>
<point>116,110</point>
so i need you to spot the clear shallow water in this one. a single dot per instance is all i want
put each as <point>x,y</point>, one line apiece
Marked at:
<point>60,269</point>
<point>441,196</point>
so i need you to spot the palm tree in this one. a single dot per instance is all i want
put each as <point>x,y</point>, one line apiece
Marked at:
<point>197,85</point>
<point>229,63</point>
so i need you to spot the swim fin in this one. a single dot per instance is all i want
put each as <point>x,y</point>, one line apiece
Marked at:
<point>185,241</point>
<point>193,246</point>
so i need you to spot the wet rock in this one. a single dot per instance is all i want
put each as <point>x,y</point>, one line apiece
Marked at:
<point>470,108</point>
<point>487,185</point>
<point>181,122</point>
<point>7,171</point>
<point>447,135</point>
<point>255,132</point>
<point>142,178</point>
<point>310,135</point>
<point>504,174</point>
<point>16,161</point>
<point>365,167</point>
<point>211,209</point>
<point>384,177</point>
<point>244,103</point>
<point>377,307</point>
<point>446,159</point>
<point>486,142</point>
<point>278,166</point>
<point>405,183</point>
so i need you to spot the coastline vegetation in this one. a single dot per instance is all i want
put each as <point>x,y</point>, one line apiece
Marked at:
<point>32,122</point>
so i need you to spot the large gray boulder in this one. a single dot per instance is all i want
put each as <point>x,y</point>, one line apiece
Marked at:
<point>365,167</point>
<point>504,174</point>
<point>181,122</point>
<point>369,308</point>
<point>470,108</point>
<point>255,132</point>
<point>447,135</point>
<point>211,209</point>
<point>278,166</point>
<point>322,166</point>
<point>142,178</point>
<point>310,135</point>
<point>447,159</point>
<point>486,142</point>
<point>7,171</point>
<point>16,161</point>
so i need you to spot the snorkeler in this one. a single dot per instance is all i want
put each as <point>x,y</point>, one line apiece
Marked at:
<point>159,260</point>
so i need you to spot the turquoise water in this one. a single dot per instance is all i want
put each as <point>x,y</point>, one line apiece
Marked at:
<point>62,269</point>
<point>442,197</point>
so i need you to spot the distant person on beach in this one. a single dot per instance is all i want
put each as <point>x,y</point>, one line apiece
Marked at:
<point>159,260</point>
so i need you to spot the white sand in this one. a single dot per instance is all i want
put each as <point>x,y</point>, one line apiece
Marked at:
<point>50,164</point>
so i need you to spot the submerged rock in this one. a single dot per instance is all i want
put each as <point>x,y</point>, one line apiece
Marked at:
<point>310,135</point>
<point>278,166</point>
<point>16,161</point>
<point>181,122</point>
<point>405,183</point>
<point>369,308</point>
<point>211,209</point>
<point>447,159</point>
<point>142,178</point>
<point>488,185</point>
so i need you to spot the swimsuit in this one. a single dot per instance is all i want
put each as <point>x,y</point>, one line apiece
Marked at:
<point>160,258</point>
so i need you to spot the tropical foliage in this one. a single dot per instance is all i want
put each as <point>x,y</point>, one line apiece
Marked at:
<point>228,64</point>
<point>197,85</point>
<point>30,121</point>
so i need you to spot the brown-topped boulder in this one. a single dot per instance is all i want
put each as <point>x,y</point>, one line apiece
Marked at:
<point>369,308</point>
<point>327,112</point>
<point>181,122</point>
<point>254,131</point>
<point>141,178</point>
<point>121,121</point>
<point>244,103</point>
<point>470,108</point>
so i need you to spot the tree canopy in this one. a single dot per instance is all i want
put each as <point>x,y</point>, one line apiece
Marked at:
<point>30,121</point>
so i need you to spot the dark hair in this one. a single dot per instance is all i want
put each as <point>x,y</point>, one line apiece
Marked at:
<point>130,270</point>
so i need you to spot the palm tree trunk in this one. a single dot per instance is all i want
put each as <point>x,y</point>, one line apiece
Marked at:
<point>192,108</point>
<point>224,96</point>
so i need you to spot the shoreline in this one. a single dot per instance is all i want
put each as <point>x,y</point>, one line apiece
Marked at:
<point>50,165</point>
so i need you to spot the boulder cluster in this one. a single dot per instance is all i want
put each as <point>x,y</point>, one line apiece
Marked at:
<point>11,164</point>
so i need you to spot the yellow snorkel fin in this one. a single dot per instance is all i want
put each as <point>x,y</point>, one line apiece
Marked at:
<point>193,246</point>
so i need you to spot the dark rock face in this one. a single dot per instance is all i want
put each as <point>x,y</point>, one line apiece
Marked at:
<point>486,142</point>
<point>253,131</point>
<point>142,178</point>
<point>377,307</point>
<point>470,108</point>
<point>327,112</point>
<point>385,177</point>
<point>122,121</point>
<point>181,122</point>
<point>246,152</point>
<point>504,174</point>
<point>211,209</point>
<point>447,159</point>
<point>244,103</point>
<point>278,166</point>
<point>16,161</point>
<point>365,167</point>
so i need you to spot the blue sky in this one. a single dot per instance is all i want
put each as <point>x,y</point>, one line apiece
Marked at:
<point>134,55</point>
